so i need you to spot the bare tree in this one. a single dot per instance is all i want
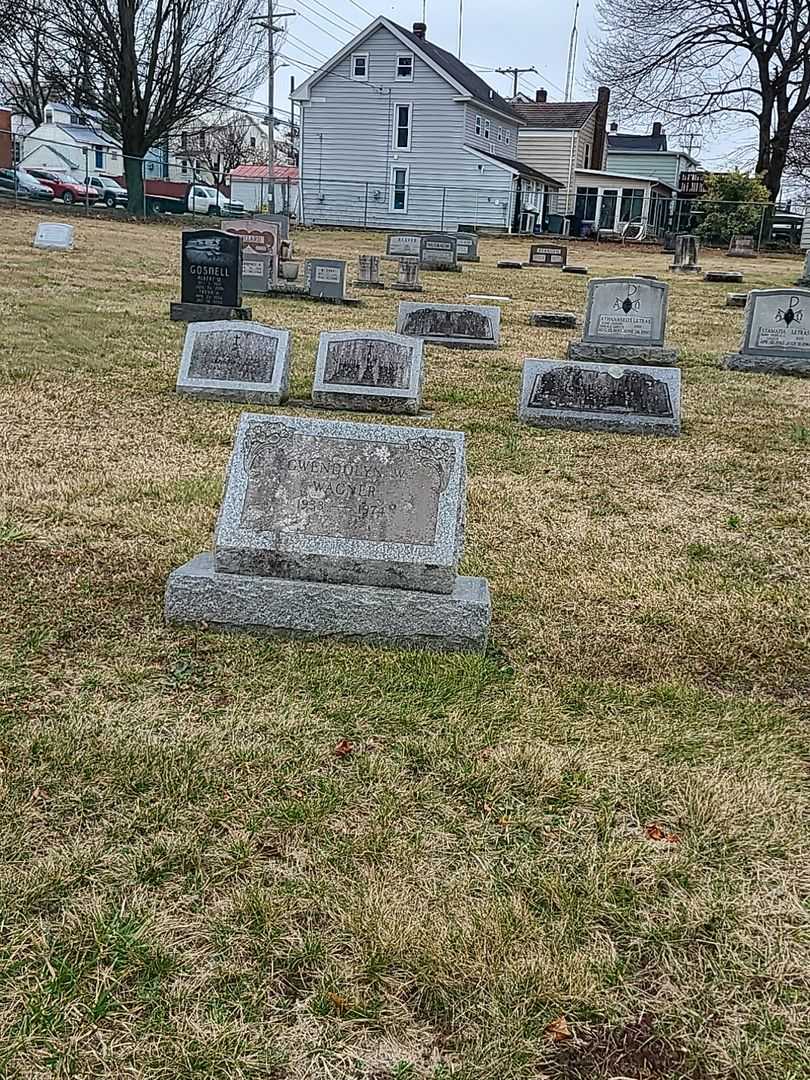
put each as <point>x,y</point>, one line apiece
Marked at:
<point>222,141</point>
<point>696,59</point>
<point>155,65</point>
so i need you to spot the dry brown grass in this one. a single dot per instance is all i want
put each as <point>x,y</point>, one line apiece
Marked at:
<point>193,885</point>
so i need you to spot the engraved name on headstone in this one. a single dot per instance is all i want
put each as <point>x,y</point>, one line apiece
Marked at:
<point>467,247</point>
<point>457,325</point>
<point>326,278</point>
<point>235,362</point>
<point>600,397</point>
<point>260,248</point>
<point>403,244</point>
<point>625,322</point>
<point>54,236</point>
<point>439,251</point>
<point>776,339</point>
<point>371,371</point>
<point>211,268</point>
<point>555,255</point>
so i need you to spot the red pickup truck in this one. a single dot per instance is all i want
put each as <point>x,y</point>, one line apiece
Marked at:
<point>65,187</point>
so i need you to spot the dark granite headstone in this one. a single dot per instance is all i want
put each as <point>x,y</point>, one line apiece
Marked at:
<point>554,255</point>
<point>439,251</point>
<point>211,269</point>
<point>326,278</point>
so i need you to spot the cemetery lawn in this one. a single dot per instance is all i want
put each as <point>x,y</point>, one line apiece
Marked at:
<point>581,856</point>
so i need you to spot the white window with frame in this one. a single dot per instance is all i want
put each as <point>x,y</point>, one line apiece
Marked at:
<point>507,136</point>
<point>359,66</point>
<point>487,132</point>
<point>404,70</point>
<point>402,126</point>
<point>479,125</point>
<point>500,134</point>
<point>399,190</point>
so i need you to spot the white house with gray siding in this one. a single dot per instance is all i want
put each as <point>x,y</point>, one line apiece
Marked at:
<point>397,133</point>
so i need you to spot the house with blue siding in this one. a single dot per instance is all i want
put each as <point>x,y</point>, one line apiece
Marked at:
<point>397,133</point>
<point>648,155</point>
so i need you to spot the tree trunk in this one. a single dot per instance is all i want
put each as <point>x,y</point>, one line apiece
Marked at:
<point>772,176</point>
<point>133,170</point>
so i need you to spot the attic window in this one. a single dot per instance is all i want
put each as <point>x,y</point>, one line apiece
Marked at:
<point>359,67</point>
<point>405,67</point>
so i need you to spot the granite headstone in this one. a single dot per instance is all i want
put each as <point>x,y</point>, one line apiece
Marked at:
<point>260,251</point>
<point>408,275</point>
<point>548,255</point>
<point>368,272</point>
<point>804,280</point>
<point>369,371</point>
<point>439,251</point>
<point>326,278</point>
<point>403,244</point>
<point>231,361</point>
<point>456,325</point>
<point>211,277</point>
<point>776,339</point>
<point>601,397</point>
<point>742,247</point>
<point>625,322</point>
<point>467,247</point>
<point>54,236</point>
<point>686,255</point>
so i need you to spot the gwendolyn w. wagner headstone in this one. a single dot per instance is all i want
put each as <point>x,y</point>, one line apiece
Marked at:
<point>776,339</point>
<point>232,361</point>
<point>370,371</point>
<point>601,397</point>
<point>331,529</point>
<point>625,322</point>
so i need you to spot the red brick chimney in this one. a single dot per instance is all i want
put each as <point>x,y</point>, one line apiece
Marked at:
<point>420,30</point>
<point>6,145</point>
<point>541,97</point>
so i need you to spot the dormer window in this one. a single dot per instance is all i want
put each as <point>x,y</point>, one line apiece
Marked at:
<point>405,67</point>
<point>359,67</point>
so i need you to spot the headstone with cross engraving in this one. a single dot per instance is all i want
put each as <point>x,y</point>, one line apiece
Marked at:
<point>776,338</point>
<point>625,323</point>
<point>369,371</point>
<point>330,529</point>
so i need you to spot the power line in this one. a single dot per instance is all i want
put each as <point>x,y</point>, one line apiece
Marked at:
<point>332,11</point>
<point>321,29</point>
<point>515,72</point>
<point>361,8</point>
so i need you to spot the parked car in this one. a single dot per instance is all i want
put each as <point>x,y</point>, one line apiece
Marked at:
<point>65,187</point>
<point>109,191</point>
<point>25,185</point>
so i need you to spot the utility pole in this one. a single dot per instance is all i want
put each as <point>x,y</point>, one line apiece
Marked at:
<point>515,72</point>
<point>572,55</point>
<point>272,29</point>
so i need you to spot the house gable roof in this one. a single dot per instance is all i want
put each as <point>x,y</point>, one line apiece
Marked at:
<point>637,142</point>
<point>555,115</point>
<point>457,74</point>
<point>91,136</point>
<point>519,168</point>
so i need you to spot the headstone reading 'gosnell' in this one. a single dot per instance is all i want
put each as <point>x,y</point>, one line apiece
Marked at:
<point>459,326</point>
<point>326,278</point>
<point>331,529</point>
<point>742,247</point>
<point>408,275</point>
<point>403,244</point>
<point>368,272</point>
<point>736,299</point>
<point>563,320</point>
<point>686,255</point>
<point>211,278</point>
<point>804,280</point>
<point>732,277</point>
<point>776,340</point>
<point>54,236</point>
<point>601,397</point>
<point>369,371</point>
<point>625,323</point>
<point>553,255</point>
<point>230,361</point>
<point>467,247</point>
<point>260,250</point>
<point>439,251</point>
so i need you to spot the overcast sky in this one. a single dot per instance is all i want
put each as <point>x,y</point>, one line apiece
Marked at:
<point>496,33</point>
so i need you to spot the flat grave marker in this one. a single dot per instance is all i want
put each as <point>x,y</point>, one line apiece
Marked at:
<point>776,337</point>
<point>333,529</point>
<point>563,320</point>
<point>601,397</point>
<point>54,236</point>
<point>369,371</point>
<point>231,361</point>
<point>464,326</point>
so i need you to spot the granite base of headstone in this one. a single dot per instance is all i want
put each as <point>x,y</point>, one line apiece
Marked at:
<point>461,326</point>
<point>736,299</point>
<point>573,268</point>
<point>509,264</point>
<point>369,371</point>
<point>226,361</point>
<point>194,313</point>
<point>54,236</point>
<point>776,337</point>
<point>731,277</point>
<point>486,298</point>
<point>633,401</point>
<point>601,397</point>
<point>563,320</point>
<point>686,255</point>
<point>336,530</point>
<point>742,247</point>
<point>368,272</point>
<point>804,281</point>
<point>625,323</point>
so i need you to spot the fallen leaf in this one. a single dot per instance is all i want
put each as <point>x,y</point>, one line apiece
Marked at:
<point>655,832</point>
<point>343,748</point>
<point>338,1003</point>
<point>558,1030</point>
